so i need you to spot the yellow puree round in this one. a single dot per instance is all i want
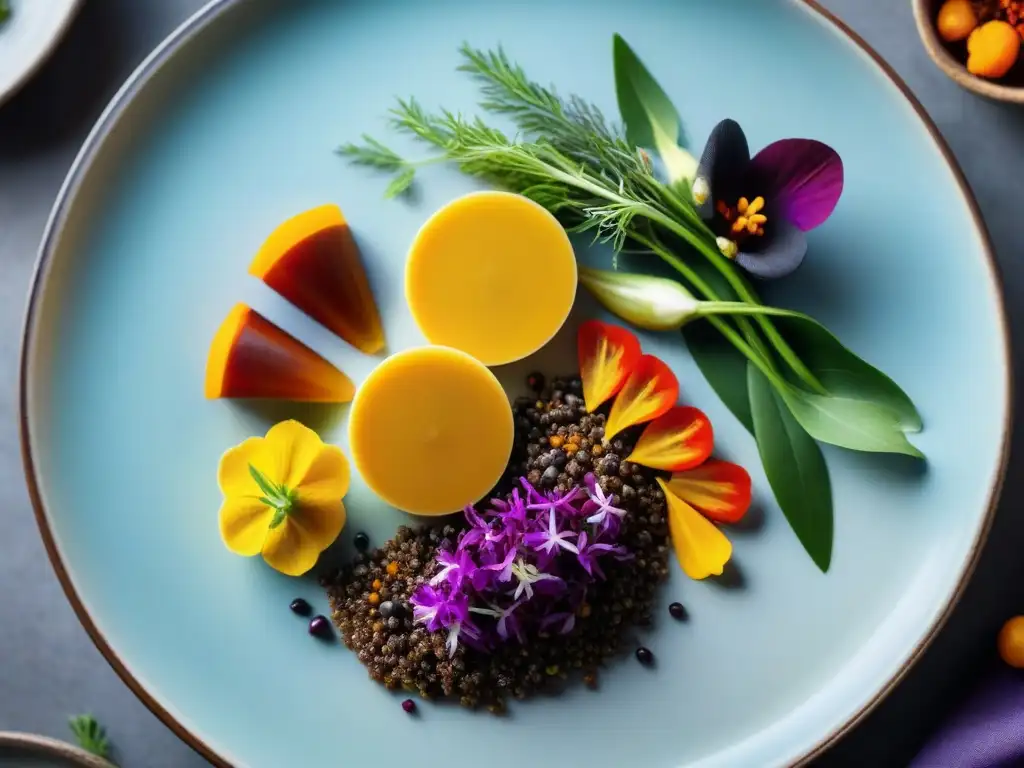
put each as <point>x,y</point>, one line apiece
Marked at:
<point>492,274</point>
<point>430,430</point>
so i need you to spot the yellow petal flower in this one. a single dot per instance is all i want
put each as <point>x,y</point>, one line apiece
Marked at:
<point>244,522</point>
<point>304,477</point>
<point>294,546</point>
<point>321,521</point>
<point>702,549</point>
<point>233,474</point>
<point>292,449</point>
<point>327,477</point>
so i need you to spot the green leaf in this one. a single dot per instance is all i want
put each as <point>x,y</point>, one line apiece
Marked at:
<point>859,425</point>
<point>265,485</point>
<point>400,184</point>
<point>90,735</point>
<point>723,366</point>
<point>795,468</point>
<point>651,119</point>
<point>842,372</point>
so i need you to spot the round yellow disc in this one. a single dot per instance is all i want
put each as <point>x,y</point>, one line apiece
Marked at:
<point>430,430</point>
<point>492,274</point>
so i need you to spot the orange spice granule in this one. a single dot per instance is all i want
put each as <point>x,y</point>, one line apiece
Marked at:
<point>392,568</point>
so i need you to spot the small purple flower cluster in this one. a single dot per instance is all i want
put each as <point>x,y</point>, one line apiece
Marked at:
<point>523,566</point>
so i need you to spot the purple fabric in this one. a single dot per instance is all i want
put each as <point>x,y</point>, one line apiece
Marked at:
<point>986,732</point>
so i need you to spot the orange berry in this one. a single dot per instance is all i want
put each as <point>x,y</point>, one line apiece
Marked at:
<point>992,49</point>
<point>1011,642</point>
<point>392,568</point>
<point>956,20</point>
<point>596,451</point>
<point>373,599</point>
<point>376,584</point>
<point>575,439</point>
<point>556,441</point>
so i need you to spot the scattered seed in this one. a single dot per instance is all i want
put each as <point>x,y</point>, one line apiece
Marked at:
<point>361,541</point>
<point>409,706</point>
<point>319,626</point>
<point>677,611</point>
<point>644,656</point>
<point>301,607</point>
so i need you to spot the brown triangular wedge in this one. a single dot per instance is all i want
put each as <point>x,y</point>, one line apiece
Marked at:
<point>313,261</point>
<point>252,358</point>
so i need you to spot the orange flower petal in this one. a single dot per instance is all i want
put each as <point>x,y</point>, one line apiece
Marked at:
<point>680,439</point>
<point>701,549</point>
<point>607,354</point>
<point>719,489</point>
<point>650,391</point>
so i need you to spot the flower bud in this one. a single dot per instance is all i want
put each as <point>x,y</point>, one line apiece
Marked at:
<point>651,303</point>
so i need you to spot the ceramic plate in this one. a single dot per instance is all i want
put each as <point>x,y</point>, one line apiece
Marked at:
<point>229,128</point>
<point>28,36</point>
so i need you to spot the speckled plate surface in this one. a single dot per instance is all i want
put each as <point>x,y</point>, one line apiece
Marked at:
<point>229,128</point>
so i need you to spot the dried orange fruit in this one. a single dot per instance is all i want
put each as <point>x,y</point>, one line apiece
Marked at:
<point>1011,642</point>
<point>992,49</point>
<point>957,20</point>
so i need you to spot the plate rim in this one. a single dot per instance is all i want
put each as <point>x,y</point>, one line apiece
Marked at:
<point>199,21</point>
<point>35,62</point>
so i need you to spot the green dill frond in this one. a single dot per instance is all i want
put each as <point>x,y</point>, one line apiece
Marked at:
<point>372,154</point>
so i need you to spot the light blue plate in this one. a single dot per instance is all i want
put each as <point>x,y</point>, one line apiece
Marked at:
<point>230,127</point>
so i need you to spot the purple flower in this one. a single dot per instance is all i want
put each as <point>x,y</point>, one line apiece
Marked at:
<point>507,624</point>
<point>436,609</point>
<point>476,530</point>
<point>599,507</point>
<point>528,575</point>
<point>503,566</point>
<point>589,553</point>
<point>549,540</point>
<point>565,620</point>
<point>556,502</point>
<point>514,510</point>
<point>463,626</point>
<point>455,567</point>
<point>761,207</point>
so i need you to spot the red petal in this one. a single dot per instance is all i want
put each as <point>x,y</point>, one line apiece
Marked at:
<point>651,390</point>
<point>607,354</point>
<point>681,439</point>
<point>720,490</point>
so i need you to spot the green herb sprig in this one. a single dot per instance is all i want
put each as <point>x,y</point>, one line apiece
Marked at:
<point>90,735</point>
<point>788,379</point>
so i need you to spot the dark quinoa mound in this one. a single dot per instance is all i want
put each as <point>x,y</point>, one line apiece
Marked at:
<point>557,442</point>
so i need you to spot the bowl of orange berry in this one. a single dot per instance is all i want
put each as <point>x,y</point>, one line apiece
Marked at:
<point>977,43</point>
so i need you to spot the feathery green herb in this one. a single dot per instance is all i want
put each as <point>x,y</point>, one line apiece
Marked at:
<point>90,735</point>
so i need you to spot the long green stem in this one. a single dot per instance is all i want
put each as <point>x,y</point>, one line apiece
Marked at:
<point>700,284</point>
<point>743,291</point>
<point>749,352</point>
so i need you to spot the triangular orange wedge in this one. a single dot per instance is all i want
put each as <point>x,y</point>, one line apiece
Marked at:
<point>252,358</point>
<point>313,261</point>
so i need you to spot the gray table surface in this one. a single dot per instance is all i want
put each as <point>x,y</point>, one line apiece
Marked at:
<point>48,666</point>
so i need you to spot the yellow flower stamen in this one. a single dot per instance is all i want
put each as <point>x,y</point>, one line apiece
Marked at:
<point>746,218</point>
